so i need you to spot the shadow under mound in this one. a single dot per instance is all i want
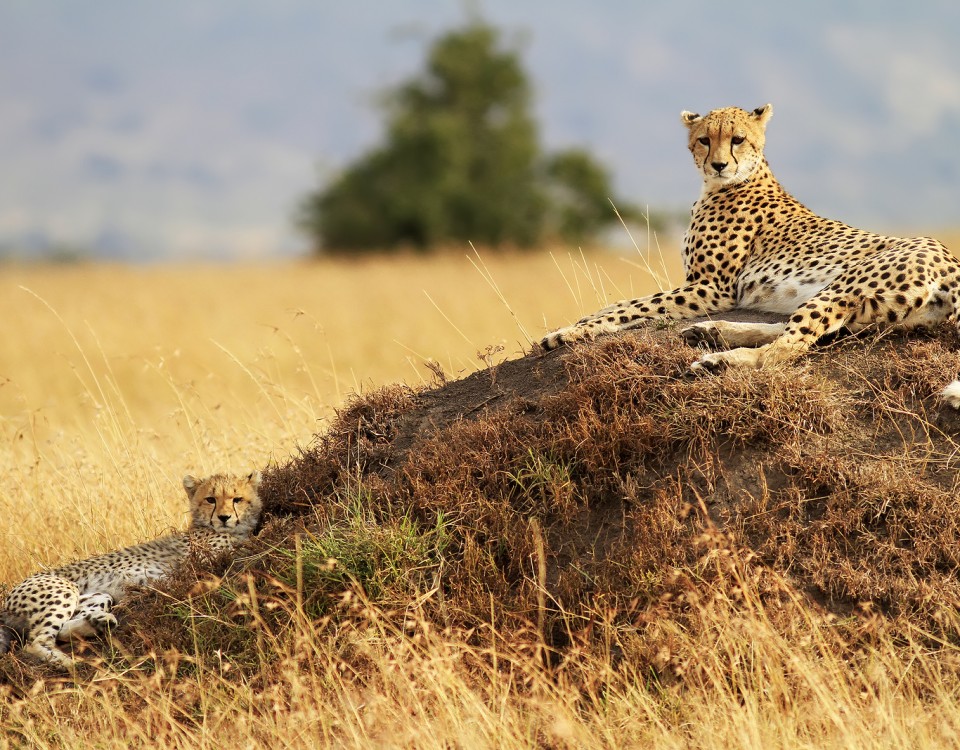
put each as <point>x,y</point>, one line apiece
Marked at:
<point>598,486</point>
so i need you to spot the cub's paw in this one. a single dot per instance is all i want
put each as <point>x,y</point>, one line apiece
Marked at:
<point>48,654</point>
<point>102,621</point>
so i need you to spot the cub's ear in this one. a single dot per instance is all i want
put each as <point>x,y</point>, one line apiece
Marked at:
<point>190,483</point>
<point>763,113</point>
<point>689,118</point>
<point>254,478</point>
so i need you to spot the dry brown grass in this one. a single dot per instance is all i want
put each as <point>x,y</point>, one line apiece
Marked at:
<point>365,682</point>
<point>583,549</point>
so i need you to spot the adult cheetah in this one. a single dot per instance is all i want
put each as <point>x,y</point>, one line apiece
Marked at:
<point>753,246</point>
<point>75,600</point>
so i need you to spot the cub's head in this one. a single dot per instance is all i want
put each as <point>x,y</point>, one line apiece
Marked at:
<point>225,502</point>
<point>727,144</point>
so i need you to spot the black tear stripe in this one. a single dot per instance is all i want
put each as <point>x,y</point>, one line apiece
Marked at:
<point>736,161</point>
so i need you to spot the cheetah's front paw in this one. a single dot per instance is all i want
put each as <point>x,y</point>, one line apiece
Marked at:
<point>718,361</point>
<point>554,340</point>
<point>565,336</point>
<point>586,328</point>
<point>703,334</point>
<point>708,364</point>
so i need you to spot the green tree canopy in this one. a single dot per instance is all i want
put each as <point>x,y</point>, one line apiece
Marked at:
<point>461,162</point>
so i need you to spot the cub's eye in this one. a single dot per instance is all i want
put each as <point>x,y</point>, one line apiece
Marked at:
<point>705,141</point>
<point>211,500</point>
<point>737,140</point>
<point>237,500</point>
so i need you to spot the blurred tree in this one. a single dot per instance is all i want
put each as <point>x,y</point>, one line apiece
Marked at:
<point>579,196</point>
<point>461,161</point>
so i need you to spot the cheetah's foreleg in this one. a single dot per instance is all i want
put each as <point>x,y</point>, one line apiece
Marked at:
<point>683,303</point>
<point>728,334</point>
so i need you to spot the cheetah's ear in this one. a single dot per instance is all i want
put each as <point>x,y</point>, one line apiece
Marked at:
<point>254,478</point>
<point>763,113</point>
<point>190,483</point>
<point>689,118</point>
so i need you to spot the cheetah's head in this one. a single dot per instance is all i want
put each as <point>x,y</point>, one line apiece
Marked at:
<point>727,144</point>
<point>225,502</point>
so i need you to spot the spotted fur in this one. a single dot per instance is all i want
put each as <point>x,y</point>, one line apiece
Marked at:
<point>753,246</point>
<point>75,600</point>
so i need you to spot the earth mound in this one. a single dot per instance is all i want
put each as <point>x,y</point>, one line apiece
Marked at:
<point>564,494</point>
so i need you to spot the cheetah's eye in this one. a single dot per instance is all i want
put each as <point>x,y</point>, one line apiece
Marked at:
<point>237,500</point>
<point>705,141</point>
<point>737,140</point>
<point>211,500</point>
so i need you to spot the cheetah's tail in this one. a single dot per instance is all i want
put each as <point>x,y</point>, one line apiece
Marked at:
<point>951,394</point>
<point>11,627</point>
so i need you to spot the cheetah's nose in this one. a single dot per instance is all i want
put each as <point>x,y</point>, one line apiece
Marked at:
<point>718,165</point>
<point>224,519</point>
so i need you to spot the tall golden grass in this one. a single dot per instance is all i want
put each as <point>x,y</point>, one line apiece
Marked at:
<point>755,688</point>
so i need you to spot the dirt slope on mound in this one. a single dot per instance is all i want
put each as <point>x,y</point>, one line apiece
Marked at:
<point>600,484</point>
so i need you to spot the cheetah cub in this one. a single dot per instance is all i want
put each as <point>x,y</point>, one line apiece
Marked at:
<point>753,246</point>
<point>75,600</point>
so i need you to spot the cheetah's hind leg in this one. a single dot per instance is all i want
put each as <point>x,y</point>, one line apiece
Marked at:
<point>46,602</point>
<point>93,617</point>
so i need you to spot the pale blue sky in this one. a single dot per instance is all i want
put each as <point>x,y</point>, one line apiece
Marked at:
<point>191,129</point>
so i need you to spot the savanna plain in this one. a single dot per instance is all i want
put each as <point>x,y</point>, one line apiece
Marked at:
<point>115,381</point>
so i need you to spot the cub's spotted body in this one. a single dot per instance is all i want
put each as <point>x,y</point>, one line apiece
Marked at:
<point>75,599</point>
<point>753,246</point>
